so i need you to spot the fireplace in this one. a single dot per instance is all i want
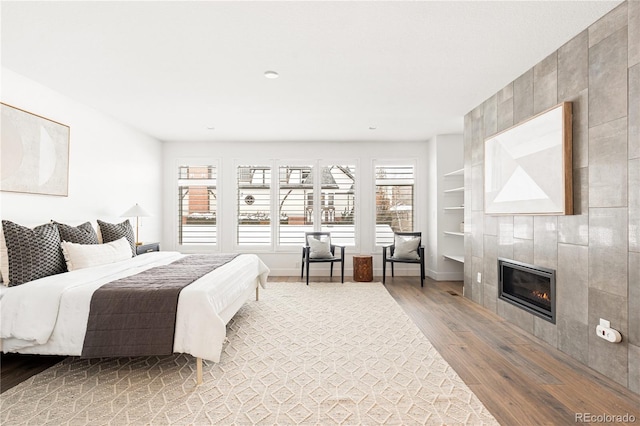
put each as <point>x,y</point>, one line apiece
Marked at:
<point>530,287</point>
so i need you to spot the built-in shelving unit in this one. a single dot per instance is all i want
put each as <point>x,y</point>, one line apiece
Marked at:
<point>455,204</point>
<point>459,172</point>
<point>461,189</point>
<point>454,257</point>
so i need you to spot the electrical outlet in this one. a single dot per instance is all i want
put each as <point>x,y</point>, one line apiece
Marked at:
<point>479,278</point>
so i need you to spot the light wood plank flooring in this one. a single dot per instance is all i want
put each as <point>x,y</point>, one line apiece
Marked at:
<point>520,379</point>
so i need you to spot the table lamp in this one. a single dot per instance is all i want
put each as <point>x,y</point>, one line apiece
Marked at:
<point>138,212</point>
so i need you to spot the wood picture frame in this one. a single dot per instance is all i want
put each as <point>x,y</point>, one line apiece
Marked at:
<point>528,168</point>
<point>35,153</point>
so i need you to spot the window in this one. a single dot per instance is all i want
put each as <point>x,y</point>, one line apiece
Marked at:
<point>254,205</point>
<point>337,203</point>
<point>394,201</point>
<point>305,205</point>
<point>295,203</point>
<point>197,205</point>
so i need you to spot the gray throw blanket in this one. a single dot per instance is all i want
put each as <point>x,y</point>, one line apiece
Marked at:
<point>136,315</point>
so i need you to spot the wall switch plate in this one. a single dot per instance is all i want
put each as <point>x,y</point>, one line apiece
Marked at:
<point>479,278</point>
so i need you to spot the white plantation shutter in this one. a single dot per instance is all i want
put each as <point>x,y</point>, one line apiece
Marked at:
<point>394,201</point>
<point>295,203</point>
<point>197,205</point>
<point>337,203</point>
<point>254,205</point>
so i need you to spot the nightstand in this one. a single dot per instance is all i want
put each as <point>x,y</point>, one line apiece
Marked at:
<point>147,248</point>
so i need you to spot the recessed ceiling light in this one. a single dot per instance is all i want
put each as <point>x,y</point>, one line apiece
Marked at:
<point>372,127</point>
<point>271,74</point>
<point>211,127</point>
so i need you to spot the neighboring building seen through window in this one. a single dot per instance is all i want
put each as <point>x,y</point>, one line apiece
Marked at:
<point>337,203</point>
<point>254,205</point>
<point>295,203</point>
<point>394,201</point>
<point>197,205</point>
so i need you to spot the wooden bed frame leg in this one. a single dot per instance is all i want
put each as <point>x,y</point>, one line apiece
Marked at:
<point>199,370</point>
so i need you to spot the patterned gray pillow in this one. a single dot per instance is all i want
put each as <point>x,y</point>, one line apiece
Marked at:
<point>81,234</point>
<point>32,253</point>
<point>115,231</point>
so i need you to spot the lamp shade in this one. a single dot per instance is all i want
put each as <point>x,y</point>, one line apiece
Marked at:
<point>136,211</point>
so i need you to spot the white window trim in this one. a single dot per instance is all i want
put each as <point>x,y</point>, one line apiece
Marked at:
<point>376,249</point>
<point>248,248</point>
<point>196,161</point>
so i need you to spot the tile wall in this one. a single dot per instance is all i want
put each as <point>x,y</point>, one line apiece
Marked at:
<point>596,251</point>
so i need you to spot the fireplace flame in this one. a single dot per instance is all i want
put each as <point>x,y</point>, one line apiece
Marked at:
<point>541,295</point>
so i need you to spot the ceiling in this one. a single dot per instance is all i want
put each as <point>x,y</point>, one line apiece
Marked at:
<point>172,69</point>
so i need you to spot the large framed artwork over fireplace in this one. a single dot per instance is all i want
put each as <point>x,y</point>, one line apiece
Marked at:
<point>528,167</point>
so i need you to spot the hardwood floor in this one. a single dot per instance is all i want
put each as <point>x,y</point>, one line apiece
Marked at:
<point>16,368</point>
<point>520,379</point>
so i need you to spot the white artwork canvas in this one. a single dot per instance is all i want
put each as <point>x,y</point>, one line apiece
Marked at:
<point>35,153</point>
<point>528,167</point>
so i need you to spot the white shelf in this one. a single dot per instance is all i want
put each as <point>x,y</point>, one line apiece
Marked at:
<point>458,172</point>
<point>461,189</point>
<point>459,234</point>
<point>454,208</point>
<point>454,257</point>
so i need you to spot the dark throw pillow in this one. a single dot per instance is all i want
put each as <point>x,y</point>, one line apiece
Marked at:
<point>32,253</point>
<point>115,231</point>
<point>81,234</point>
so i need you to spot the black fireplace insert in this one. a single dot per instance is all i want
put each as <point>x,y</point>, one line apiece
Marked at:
<point>529,287</point>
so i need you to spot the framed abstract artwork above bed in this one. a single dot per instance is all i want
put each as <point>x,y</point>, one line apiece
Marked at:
<point>35,153</point>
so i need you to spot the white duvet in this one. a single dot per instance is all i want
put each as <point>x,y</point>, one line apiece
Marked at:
<point>49,315</point>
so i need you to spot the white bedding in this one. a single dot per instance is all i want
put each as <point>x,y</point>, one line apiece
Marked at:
<point>49,315</point>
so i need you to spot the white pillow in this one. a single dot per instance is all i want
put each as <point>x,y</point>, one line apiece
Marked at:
<point>79,256</point>
<point>406,248</point>
<point>319,249</point>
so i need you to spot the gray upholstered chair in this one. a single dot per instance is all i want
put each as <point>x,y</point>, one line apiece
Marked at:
<point>321,252</point>
<point>407,248</point>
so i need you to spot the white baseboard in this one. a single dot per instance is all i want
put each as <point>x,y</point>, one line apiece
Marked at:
<point>445,276</point>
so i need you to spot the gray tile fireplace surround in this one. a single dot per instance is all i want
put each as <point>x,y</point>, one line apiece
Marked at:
<point>596,251</point>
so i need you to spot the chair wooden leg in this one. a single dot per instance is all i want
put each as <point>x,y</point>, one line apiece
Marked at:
<point>392,271</point>
<point>331,269</point>
<point>384,270</point>
<point>302,271</point>
<point>307,272</point>
<point>342,272</point>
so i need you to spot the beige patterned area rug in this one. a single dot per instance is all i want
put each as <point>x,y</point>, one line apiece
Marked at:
<point>326,354</point>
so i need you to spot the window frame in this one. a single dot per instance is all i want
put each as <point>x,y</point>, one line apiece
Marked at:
<point>196,162</point>
<point>399,162</point>
<point>316,164</point>
<point>236,209</point>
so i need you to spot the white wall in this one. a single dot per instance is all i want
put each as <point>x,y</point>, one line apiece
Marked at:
<point>228,155</point>
<point>111,165</point>
<point>445,155</point>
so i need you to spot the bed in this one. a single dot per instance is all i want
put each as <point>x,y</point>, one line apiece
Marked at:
<point>49,315</point>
